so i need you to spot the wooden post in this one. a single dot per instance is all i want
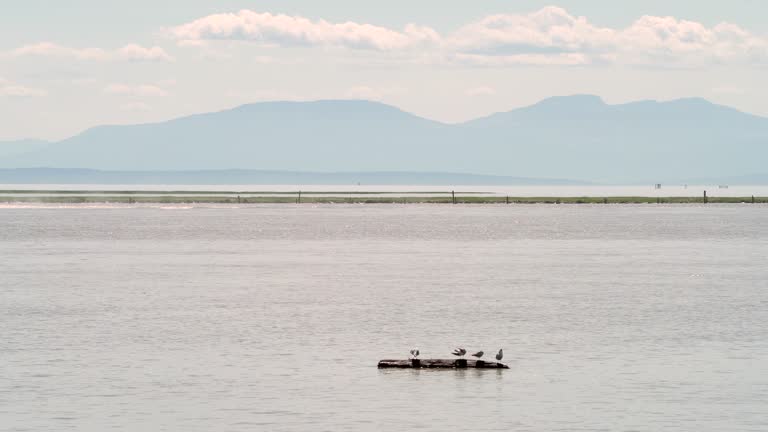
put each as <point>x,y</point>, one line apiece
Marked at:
<point>415,363</point>
<point>507,199</point>
<point>238,199</point>
<point>753,199</point>
<point>453,197</point>
<point>705,197</point>
<point>461,363</point>
<point>298,201</point>
<point>605,200</point>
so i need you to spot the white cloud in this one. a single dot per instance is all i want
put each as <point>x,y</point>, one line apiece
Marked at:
<point>142,90</point>
<point>480,91</point>
<point>548,31</point>
<point>49,49</point>
<point>669,40</point>
<point>11,89</point>
<point>550,36</point>
<point>553,36</point>
<point>299,31</point>
<point>131,52</point>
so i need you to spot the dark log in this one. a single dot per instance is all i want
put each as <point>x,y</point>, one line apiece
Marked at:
<point>441,364</point>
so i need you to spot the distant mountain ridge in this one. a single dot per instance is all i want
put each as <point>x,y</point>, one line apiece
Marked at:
<point>10,148</point>
<point>575,137</point>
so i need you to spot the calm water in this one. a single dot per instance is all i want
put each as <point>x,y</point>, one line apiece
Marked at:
<point>398,190</point>
<point>272,318</point>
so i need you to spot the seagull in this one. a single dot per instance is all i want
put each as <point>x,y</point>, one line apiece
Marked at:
<point>459,352</point>
<point>415,353</point>
<point>478,354</point>
<point>500,355</point>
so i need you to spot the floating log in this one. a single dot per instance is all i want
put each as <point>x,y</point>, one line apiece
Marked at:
<point>441,364</point>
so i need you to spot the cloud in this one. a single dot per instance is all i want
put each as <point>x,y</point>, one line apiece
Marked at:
<point>142,90</point>
<point>11,89</point>
<point>131,52</point>
<point>480,91</point>
<point>553,36</point>
<point>550,36</point>
<point>549,31</point>
<point>667,39</point>
<point>49,49</point>
<point>285,30</point>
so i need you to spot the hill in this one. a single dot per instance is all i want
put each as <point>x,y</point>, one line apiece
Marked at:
<point>11,148</point>
<point>577,137</point>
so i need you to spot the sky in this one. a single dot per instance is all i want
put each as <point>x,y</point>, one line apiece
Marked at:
<point>66,66</point>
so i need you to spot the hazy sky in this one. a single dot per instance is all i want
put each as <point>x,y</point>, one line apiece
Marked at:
<point>69,65</point>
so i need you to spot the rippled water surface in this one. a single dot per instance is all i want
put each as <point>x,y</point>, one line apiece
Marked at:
<point>273,318</point>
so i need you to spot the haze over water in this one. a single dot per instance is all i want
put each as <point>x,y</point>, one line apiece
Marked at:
<point>273,317</point>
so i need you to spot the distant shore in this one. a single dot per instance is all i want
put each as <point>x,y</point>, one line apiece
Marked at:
<point>266,197</point>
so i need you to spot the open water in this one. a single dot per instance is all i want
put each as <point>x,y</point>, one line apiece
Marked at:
<point>273,317</point>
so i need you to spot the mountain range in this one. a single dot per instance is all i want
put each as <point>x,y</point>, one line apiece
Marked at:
<point>11,148</point>
<point>574,137</point>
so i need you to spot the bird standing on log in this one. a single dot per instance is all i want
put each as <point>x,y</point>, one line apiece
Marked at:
<point>415,353</point>
<point>459,352</point>
<point>478,354</point>
<point>500,355</point>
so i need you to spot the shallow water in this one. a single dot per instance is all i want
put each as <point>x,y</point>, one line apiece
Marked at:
<point>638,317</point>
<point>553,191</point>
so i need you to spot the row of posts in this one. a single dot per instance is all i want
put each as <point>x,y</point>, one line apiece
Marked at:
<point>453,199</point>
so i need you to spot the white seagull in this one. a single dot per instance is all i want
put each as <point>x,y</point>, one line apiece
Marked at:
<point>415,353</point>
<point>459,352</point>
